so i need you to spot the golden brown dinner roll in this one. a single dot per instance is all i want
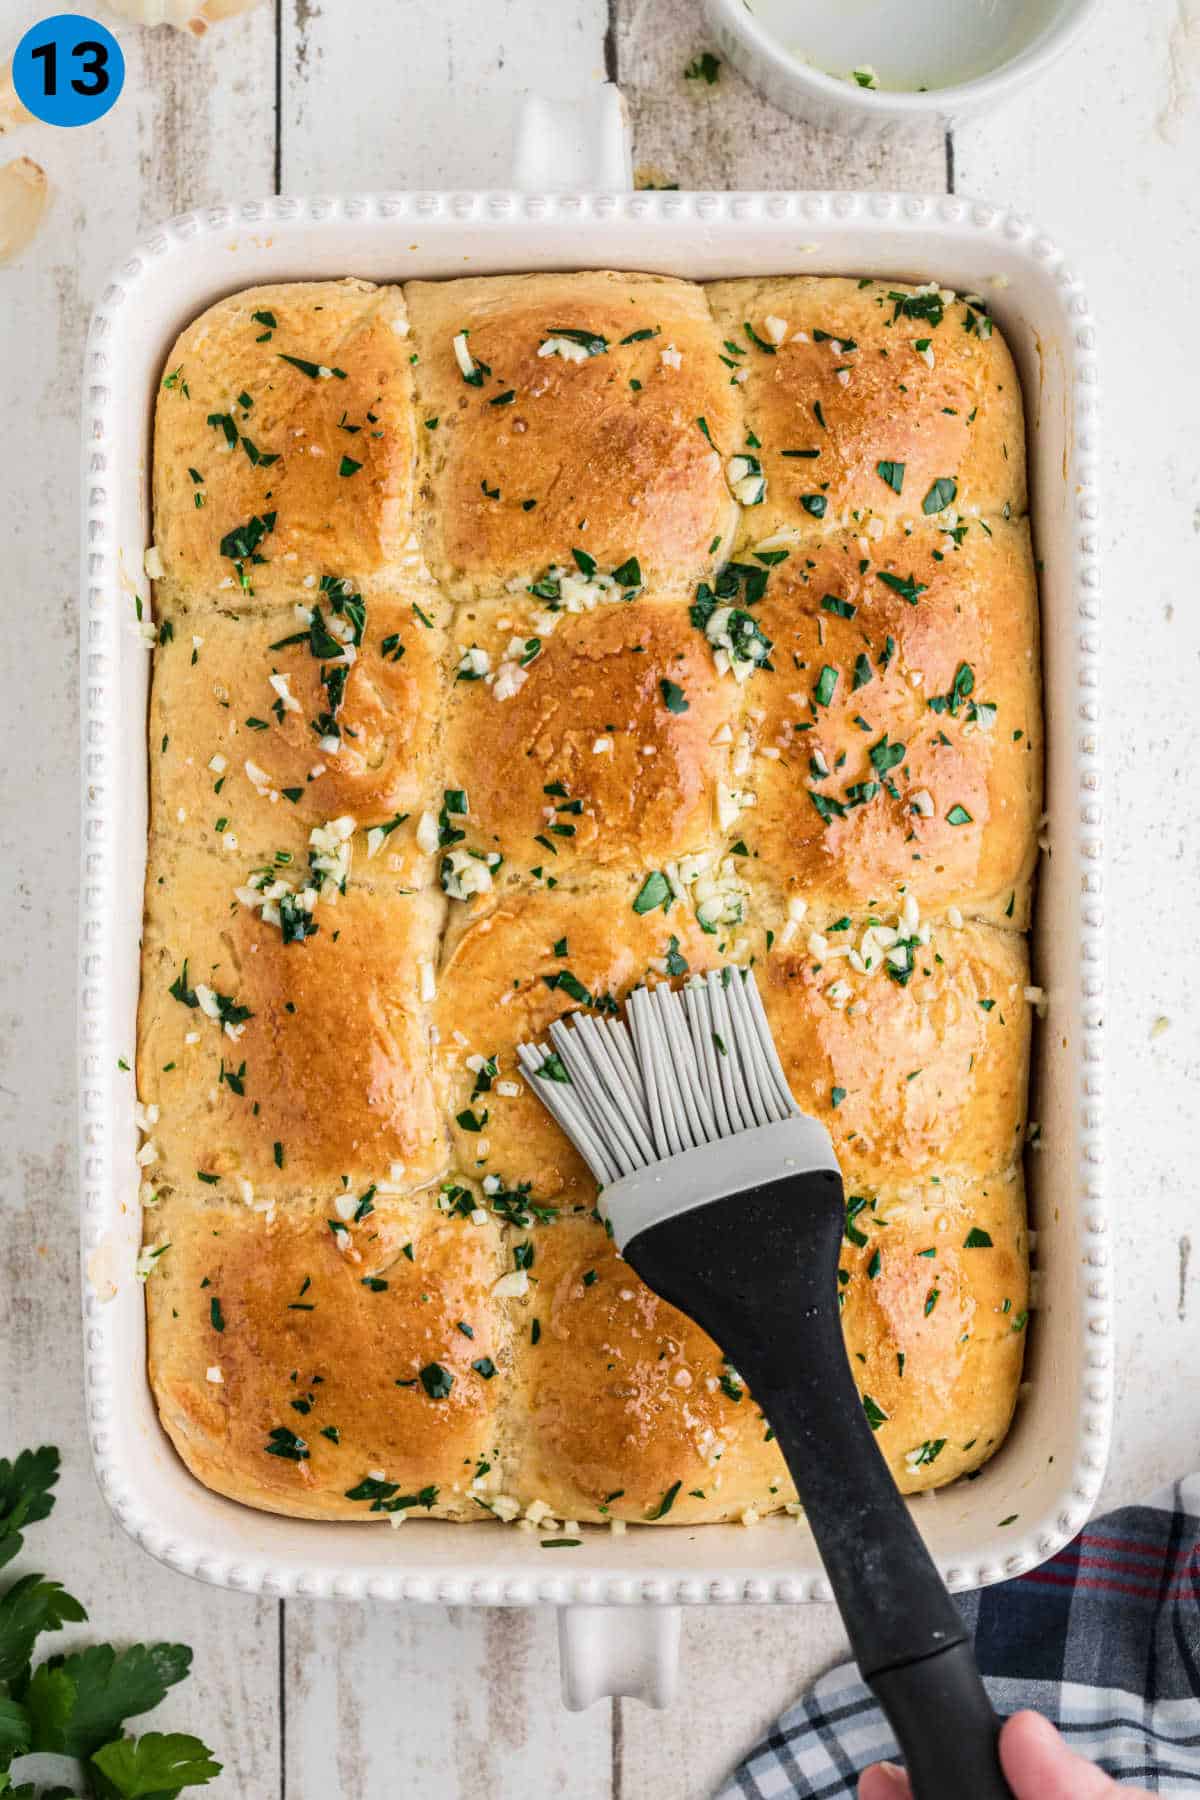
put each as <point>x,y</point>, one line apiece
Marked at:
<point>872,399</point>
<point>607,743</point>
<point>284,444</point>
<point>318,1358</point>
<point>917,1068</point>
<point>628,1410</point>
<point>935,1290</point>
<point>266,724</point>
<point>563,413</point>
<point>625,1404</point>
<point>286,1050</point>
<point>896,733</point>
<point>511,969</point>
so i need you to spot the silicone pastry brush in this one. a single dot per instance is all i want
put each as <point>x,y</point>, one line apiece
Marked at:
<point>727,1200</point>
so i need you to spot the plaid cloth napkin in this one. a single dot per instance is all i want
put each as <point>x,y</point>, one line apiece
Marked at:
<point>1104,1639</point>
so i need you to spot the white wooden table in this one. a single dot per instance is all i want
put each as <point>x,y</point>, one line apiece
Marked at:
<point>306,1701</point>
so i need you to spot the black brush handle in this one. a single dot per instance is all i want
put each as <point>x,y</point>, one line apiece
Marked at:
<point>758,1271</point>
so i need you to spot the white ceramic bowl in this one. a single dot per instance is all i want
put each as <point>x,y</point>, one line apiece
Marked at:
<point>782,66</point>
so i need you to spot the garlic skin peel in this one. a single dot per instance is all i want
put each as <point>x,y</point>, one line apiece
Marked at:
<point>12,113</point>
<point>195,16</point>
<point>24,192</point>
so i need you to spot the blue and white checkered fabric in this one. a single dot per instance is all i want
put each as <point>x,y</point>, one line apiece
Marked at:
<point>1104,1640</point>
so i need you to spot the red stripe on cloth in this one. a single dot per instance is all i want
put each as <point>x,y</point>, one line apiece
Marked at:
<point>1185,1585</point>
<point>1172,1565</point>
<point>1049,1577</point>
<point>1180,1569</point>
<point>1127,1547</point>
<point>1188,1577</point>
<point>1115,1567</point>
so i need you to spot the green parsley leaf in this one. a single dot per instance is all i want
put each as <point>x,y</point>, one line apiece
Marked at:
<point>677,963</point>
<point>225,423</point>
<point>828,807</point>
<point>436,1381</point>
<point>262,459</point>
<point>940,495</point>
<point>856,1204</point>
<point>591,341</point>
<point>29,1607</point>
<point>907,589</point>
<point>654,892</point>
<point>918,306</point>
<point>79,1704</point>
<point>705,67</point>
<point>569,983</point>
<point>759,343</point>
<point>25,1496</point>
<point>925,1453</point>
<point>155,1765</point>
<point>311,369</point>
<point>666,1503</point>
<point>885,756</point>
<point>284,1443</point>
<point>826,683</point>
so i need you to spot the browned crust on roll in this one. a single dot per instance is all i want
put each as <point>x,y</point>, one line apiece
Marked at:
<point>848,381</point>
<point>314,1067</point>
<point>274,1329</point>
<point>345,399</point>
<point>618,734</point>
<point>603,454</point>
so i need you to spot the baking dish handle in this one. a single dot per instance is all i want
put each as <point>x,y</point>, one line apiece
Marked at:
<point>573,146</point>
<point>627,1650</point>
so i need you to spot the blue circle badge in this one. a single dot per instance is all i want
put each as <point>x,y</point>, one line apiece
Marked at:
<point>68,70</point>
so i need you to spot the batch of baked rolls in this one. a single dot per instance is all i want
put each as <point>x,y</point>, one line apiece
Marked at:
<point>520,640</point>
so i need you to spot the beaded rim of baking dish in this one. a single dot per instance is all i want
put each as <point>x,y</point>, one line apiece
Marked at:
<point>474,1584</point>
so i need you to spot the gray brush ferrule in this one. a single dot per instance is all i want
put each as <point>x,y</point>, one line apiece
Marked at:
<point>748,1159</point>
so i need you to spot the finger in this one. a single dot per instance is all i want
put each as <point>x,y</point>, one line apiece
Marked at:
<point>884,1782</point>
<point>1039,1766</point>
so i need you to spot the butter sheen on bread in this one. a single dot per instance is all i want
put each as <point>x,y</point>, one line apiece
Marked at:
<point>521,639</point>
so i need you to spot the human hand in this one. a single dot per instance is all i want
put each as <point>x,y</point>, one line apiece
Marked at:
<point>1037,1766</point>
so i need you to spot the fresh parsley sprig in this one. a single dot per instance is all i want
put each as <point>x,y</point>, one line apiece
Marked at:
<point>76,1705</point>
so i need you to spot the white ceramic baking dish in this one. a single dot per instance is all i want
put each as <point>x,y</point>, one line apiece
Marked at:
<point>618,1594</point>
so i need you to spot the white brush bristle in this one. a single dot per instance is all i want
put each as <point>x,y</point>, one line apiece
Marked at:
<point>689,1068</point>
